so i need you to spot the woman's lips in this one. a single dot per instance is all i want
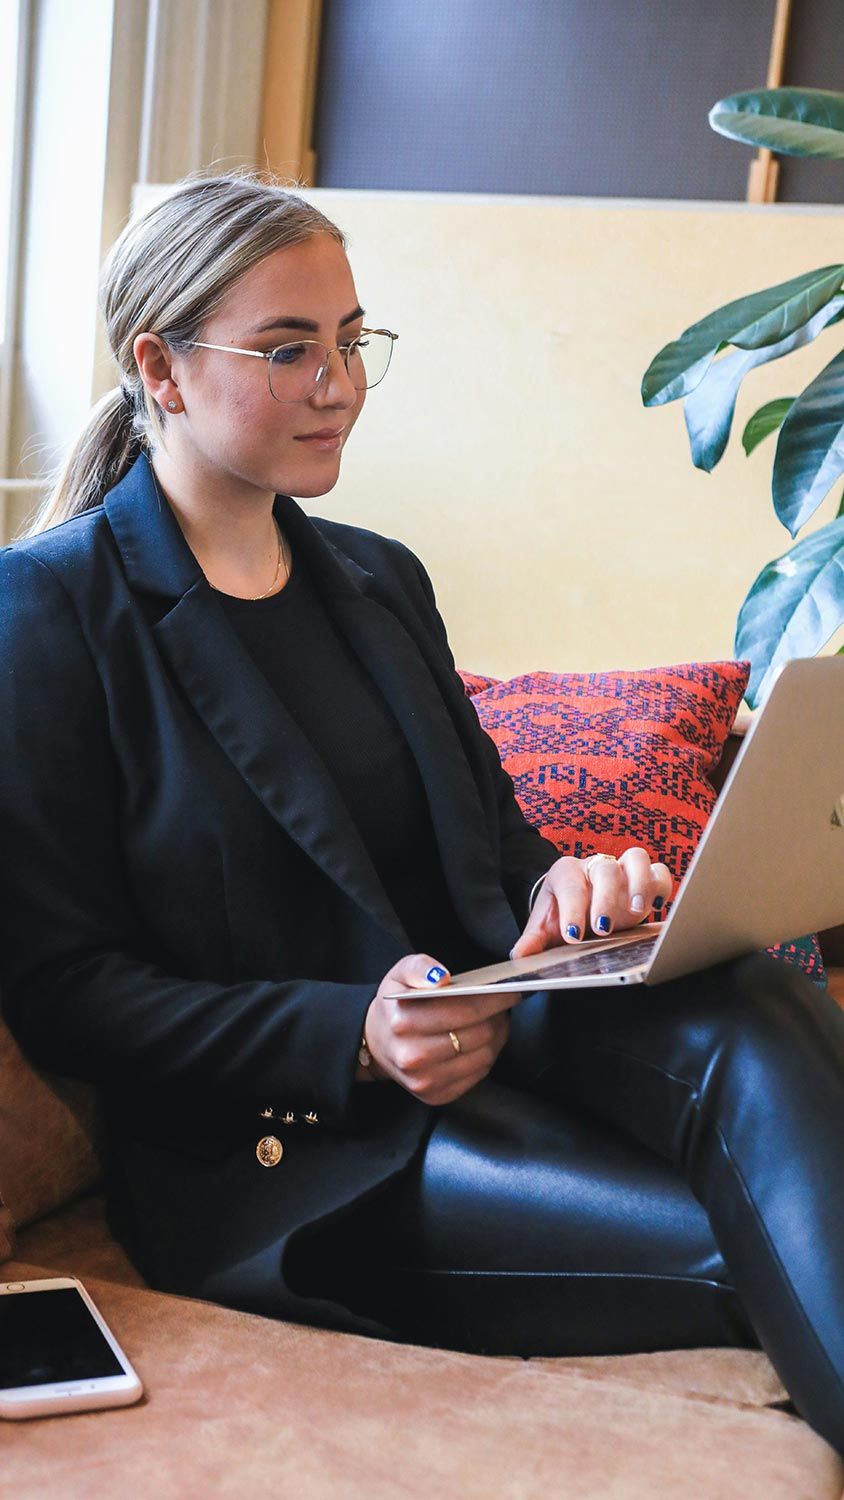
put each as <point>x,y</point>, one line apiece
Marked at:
<point>328,439</point>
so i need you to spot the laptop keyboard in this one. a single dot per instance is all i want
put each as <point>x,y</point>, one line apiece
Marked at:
<point>609,961</point>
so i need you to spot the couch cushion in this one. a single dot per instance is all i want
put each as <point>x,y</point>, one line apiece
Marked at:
<point>77,1239</point>
<point>238,1404</point>
<point>48,1140</point>
<point>602,760</point>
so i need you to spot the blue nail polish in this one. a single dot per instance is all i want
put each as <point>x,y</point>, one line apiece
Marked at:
<point>659,902</point>
<point>572,931</point>
<point>433,975</point>
<point>603,924</point>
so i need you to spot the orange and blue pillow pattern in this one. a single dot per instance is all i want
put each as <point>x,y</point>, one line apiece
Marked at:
<point>603,760</point>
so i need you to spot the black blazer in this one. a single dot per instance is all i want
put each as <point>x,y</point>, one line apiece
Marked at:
<point>190,918</point>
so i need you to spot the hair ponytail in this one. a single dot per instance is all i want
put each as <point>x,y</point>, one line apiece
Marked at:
<point>165,274</point>
<point>104,451</point>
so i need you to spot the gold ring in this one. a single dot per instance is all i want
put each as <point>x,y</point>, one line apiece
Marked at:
<point>593,860</point>
<point>455,1041</point>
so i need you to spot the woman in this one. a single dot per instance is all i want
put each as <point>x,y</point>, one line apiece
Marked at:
<point>245,797</point>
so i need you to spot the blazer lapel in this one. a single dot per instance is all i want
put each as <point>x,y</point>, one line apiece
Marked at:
<point>234,699</point>
<point>269,750</point>
<point>394,660</point>
<point>273,756</point>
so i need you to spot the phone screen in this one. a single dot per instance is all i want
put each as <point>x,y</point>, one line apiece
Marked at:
<point>48,1337</point>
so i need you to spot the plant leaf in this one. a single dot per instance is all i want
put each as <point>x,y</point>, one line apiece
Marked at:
<point>793,122</point>
<point>810,447</point>
<point>794,311</point>
<point>709,408</point>
<point>750,323</point>
<point>794,606</point>
<point>765,421</point>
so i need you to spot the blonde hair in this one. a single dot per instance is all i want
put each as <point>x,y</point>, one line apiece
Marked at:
<point>166,273</point>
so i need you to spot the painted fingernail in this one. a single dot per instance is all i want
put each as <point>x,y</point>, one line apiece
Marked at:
<point>435,974</point>
<point>638,903</point>
<point>659,902</point>
<point>572,931</point>
<point>603,924</point>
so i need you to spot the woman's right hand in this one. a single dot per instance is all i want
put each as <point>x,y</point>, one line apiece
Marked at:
<point>408,1036</point>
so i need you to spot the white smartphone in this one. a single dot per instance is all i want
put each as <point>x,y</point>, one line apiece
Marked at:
<point>57,1353</point>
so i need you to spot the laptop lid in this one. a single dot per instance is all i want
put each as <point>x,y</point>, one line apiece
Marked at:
<point>770,862</point>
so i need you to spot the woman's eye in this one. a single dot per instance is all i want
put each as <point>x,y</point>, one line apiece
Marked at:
<point>288,354</point>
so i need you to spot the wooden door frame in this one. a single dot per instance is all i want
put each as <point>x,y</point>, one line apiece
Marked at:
<point>294,29</point>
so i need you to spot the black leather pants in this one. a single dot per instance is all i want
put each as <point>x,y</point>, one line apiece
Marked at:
<point>643,1168</point>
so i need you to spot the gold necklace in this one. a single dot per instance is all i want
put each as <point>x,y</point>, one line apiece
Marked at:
<point>250,598</point>
<point>281,555</point>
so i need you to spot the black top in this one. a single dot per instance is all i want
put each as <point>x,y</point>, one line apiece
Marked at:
<point>295,642</point>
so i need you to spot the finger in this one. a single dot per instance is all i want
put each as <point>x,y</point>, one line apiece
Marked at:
<point>609,896</point>
<point>427,1057</point>
<point>418,971</point>
<point>559,912</point>
<point>452,1081</point>
<point>428,1060</point>
<point>542,929</point>
<point>471,1039</point>
<point>478,1048</point>
<point>650,884</point>
<point>441,1013</point>
<point>664,883</point>
<point>569,880</point>
<point>641,886</point>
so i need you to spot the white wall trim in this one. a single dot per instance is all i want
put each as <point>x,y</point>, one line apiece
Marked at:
<point>8,351</point>
<point>170,87</point>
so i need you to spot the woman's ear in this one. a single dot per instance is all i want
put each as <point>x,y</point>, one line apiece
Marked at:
<point>155,367</point>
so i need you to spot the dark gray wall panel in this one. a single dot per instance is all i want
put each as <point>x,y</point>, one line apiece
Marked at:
<point>594,97</point>
<point>543,96</point>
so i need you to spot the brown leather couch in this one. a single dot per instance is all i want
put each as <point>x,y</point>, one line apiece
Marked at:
<point>238,1405</point>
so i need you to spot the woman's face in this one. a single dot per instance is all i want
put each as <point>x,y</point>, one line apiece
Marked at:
<point>231,425</point>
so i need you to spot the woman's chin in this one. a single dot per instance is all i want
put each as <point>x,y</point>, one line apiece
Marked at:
<point>310,486</point>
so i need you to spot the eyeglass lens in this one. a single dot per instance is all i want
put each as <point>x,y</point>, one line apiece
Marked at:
<point>296,369</point>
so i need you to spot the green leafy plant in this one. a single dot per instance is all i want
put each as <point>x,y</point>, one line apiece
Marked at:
<point>796,603</point>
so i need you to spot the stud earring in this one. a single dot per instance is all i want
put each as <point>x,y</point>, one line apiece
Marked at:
<point>171,405</point>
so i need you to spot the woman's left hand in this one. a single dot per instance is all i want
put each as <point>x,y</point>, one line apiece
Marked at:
<point>603,894</point>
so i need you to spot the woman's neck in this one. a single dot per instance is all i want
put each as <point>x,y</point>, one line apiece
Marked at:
<point>232,535</point>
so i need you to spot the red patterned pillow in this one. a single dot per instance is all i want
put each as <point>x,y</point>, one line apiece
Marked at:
<point>602,760</point>
<point>475,682</point>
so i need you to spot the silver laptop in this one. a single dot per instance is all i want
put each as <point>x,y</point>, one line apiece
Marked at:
<point>769,866</point>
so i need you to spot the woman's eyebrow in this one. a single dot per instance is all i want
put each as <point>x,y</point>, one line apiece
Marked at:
<point>304,325</point>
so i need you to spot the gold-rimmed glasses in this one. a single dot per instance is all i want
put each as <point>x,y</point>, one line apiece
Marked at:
<point>296,370</point>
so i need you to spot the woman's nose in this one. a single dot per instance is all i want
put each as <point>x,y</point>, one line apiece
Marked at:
<point>336,387</point>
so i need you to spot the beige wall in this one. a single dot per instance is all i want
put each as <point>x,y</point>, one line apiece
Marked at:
<point>563,525</point>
